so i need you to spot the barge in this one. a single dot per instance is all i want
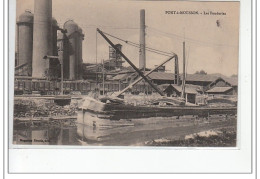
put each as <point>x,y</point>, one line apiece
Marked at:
<point>117,109</point>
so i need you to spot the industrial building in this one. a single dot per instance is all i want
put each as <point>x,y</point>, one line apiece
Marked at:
<point>49,60</point>
<point>37,38</point>
<point>40,41</point>
<point>49,57</point>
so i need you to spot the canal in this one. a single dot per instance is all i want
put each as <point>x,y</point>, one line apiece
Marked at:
<point>90,130</point>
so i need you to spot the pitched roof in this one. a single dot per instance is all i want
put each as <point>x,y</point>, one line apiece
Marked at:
<point>200,77</point>
<point>161,76</point>
<point>232,80</point>
<point>163,86</point>
<point>187,89</point>
<point>218,89</point>
<point>195,87</point>
<point>120,77</point>
<point>190,77</point>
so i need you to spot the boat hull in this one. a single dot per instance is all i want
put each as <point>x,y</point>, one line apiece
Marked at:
<point>117,112</point>
<point>109,121</point>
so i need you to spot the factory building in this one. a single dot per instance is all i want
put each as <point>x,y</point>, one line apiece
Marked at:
<point>200,82</point>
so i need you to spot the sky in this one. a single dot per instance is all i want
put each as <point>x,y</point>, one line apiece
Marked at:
<point>211,41</point>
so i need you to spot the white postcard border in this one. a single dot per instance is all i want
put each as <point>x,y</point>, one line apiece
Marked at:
<point>42,159</point>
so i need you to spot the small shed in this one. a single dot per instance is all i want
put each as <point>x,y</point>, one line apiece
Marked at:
<point>175,91</point>
<point>190,92</point>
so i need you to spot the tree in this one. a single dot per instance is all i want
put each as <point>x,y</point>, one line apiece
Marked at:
<point>201,72</point>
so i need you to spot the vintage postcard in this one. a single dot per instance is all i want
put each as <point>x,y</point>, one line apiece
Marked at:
<point>126,73</point>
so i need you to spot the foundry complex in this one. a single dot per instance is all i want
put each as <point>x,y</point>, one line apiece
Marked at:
<point>38,45</point>
<point>61,98</point>
<point>49,60</point>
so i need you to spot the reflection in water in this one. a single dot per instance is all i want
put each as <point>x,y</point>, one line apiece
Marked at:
<point>46,136</point>
<point>94,130</point>
<point>91,129</point>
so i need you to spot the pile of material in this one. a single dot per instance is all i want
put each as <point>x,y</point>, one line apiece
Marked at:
<point>41,108</point>
<point>141,99</point>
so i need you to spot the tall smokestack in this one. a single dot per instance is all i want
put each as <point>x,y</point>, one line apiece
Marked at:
<point>42,37</point>
<point>142,60</point>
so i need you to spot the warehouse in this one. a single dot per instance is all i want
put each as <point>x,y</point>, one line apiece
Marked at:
<point>162,78</point>
<point>200,79</point>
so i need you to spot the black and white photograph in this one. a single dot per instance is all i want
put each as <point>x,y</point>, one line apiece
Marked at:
<point>126,73</point>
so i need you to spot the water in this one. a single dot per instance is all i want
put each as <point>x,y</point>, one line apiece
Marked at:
<point>46,136</point>
<point>90,129</point>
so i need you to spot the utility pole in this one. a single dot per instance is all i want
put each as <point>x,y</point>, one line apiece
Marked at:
<point>96,63</point>
<point>60,53</point>
<point>103,73</point>
<point>142,58</point>
<point>184,73</point>
<point>176,73</point>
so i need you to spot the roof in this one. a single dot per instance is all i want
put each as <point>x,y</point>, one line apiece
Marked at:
<point>71,27</point>
<point>218,89</point>
<point>163,86</point>
<point>161,76</point>
<point>120,77</point>
<point>189,77</point>
<point>195,87</point>
<point>187,89</point>
<point>26,17</point>
<point>200,77</point>
<point>232,80</point>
